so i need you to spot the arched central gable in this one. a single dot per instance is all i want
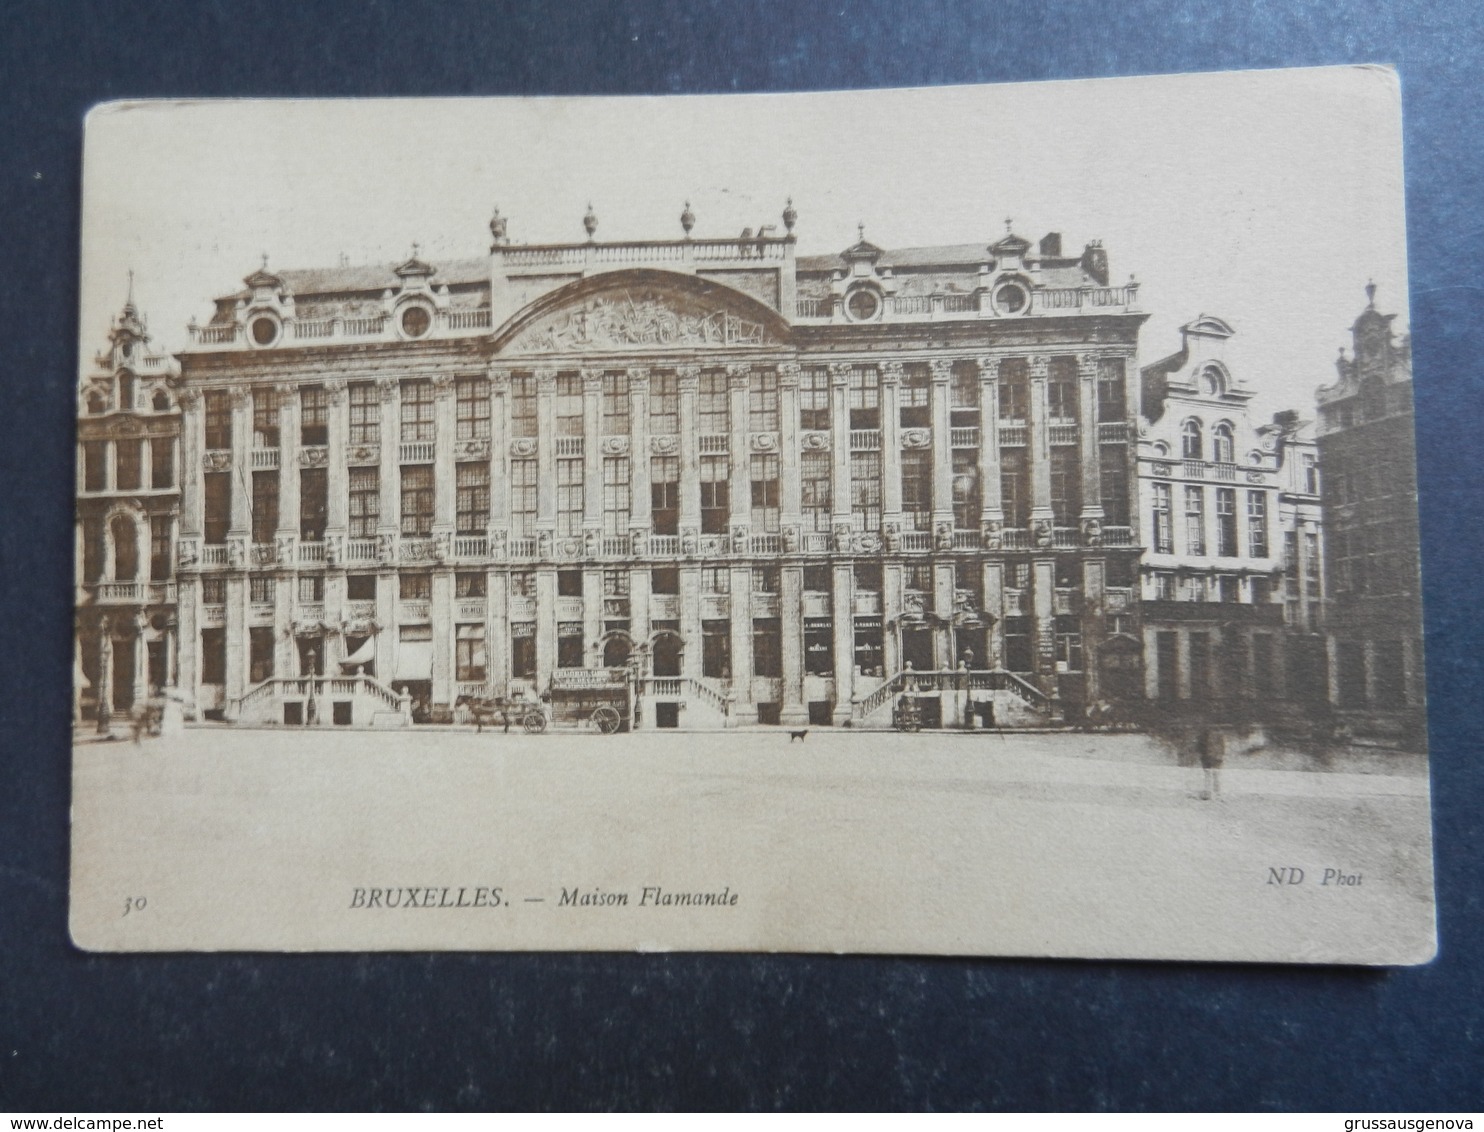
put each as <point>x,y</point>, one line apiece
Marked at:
<point>641,310</point>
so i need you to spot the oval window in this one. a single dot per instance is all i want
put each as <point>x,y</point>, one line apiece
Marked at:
<point>1011,298</point>
<point>264,331</point>
<point>863,305</point>
<point>416,321</point>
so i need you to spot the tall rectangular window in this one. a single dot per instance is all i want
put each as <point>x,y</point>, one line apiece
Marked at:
<point>664,404</point>
<point>917,489</point>
<point>569,408</point>
<point>814,485</point>
<point>1195,520</point>
<point>217,489</point>
<point>1066,485</point>
<point>365,501</point>
<point>1015,493</point>
<point>963,388</point>
<point>762,401</point>
<point>767,647</point>
<point>1014,389</point>
<point>616,495</point>
<point>159,548</point>
<point>914,399</point>
<point>260,654</point>
<point>1257,524</point>
<point>616,403</point>
<point>473,408</point>
<point>664,494</point>
<point>314,415</point>
<point>765,492</point>
<point>418,419</point>
<point>865,397</point>
<point>1163,525</point>
<point>819,646</point>
<point>218,419</point>
<point>1113,484</point>
<point>1200,665</point>
<point>265,417</point>
<point>868,645</point>
<point>472,480</point>
<point>94,465</point>
<point>569,644</point>
<point>716,649</point>
<point>311,588</point>
<point>469,656</point>
<point>264,506</point>
<point>523,405</point>
<point>865,490</point>
<point>1061,390</point>
<point>967,501</point>
<point>1226,522</point>
<point>814,398</point>
<point>365,413</point>
<point>314,503</point>
<point>417,500</point>
<point>1112,391</point>
<point>161,463</point>
<point>524,477</point>
<point>262,589</point>
<point>716,494</point>
<point>569,497</point>
<point>128,458</point>
<point>712,412</point>
<point>1311,473</point>
<point>523,650</point>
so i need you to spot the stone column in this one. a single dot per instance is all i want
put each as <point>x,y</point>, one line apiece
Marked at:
<point>105,674</point>
<point>192,426</point>
<point>994,604</point>
<point>942,445</point>
<point>390,520</point>
<point>639,616</point>
<point>891,449</point>
<point>639,501</point>
<point>445,426</point>
<point>241,524</point>
<point>288,464</point>
<point>389,636</point>
<point>141,659</point>
<point>1038,445</point>
<point>592,445</point>
<point>188,643</point>
<point>1043,611</point>
<point>739,380</point>
<point>441,610</point>
<point>497,631</point>
<point>843,622</point>
<point>285,644</point>
<point>1094,626</point>
<point>739,605</point>
<point>840,443</point>
<point>690,465</point>
<point>944,586</point>
<point>992,517</point>
<point>499,459</point>
<point>690,619</point>
<point>236,636</point>
<point>545,458</point>
<point>794,712</point>
<point>592,615</point>
<point>893,604</point>
<point>337,478</point>
<point>1087,405</point>
<point>791,500</point>
<point>546,625</point>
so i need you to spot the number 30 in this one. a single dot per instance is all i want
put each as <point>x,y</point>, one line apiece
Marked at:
<point>134,904</point>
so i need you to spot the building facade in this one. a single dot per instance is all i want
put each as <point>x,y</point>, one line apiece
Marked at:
<point>772,488</point>
<point>1231,578</point>
<point>1368,450</point>
<point>128,495</point>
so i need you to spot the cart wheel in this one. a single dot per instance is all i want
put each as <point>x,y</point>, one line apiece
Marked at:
<point>535,722</point>
<point>606,720</point>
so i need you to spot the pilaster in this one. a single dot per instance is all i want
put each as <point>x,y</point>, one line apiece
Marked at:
<point>891,447</point>
<point>690,465</point>
<point>840,444</point>
<point>444,429</point>
<point>942,445</point>
<point>390,520</point>
<point>794,711</point>
<point>843,623</point>
<point>592,456</point>
<point>739,378</point>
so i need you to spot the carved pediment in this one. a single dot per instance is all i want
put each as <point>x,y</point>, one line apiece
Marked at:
<point>642,317</point>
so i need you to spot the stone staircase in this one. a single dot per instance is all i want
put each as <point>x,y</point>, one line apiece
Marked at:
<point>1017,702</point>
<point>352,701</point>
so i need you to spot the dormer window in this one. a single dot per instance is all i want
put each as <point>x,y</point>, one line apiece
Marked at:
<point>863,304</point>
<point>126,390</point>
<point>97,403</point>
<point>1213,381</point>
<point>1011,298</point>
<point>161,401</point>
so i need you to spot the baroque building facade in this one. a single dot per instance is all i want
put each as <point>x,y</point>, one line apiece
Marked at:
<point>128,495</point>
<point>1232,575</point>
<point>1368,449</point>
<point>771,487</point>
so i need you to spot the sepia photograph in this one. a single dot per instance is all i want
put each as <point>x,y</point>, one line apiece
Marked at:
<point>969,520</point>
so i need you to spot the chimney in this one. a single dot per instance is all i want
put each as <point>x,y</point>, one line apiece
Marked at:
<point>1051,245</point>
<point>1095,262</point>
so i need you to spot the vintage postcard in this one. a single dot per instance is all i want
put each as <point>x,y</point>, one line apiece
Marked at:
<point>976,520</point>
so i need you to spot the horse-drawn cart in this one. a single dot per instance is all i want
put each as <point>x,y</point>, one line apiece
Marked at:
<point>601,698</point>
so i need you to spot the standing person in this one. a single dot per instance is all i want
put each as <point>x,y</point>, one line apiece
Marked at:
<point>1213,754</point>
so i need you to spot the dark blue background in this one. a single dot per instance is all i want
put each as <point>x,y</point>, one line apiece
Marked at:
<point>490,1031</point>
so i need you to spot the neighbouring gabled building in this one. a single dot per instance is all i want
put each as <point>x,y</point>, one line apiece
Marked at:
<point>768,487</point>
<point>1231,518</point>
<point>1367,450</point>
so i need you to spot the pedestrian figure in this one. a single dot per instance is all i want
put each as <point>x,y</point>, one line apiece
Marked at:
<point>1212,744</point>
